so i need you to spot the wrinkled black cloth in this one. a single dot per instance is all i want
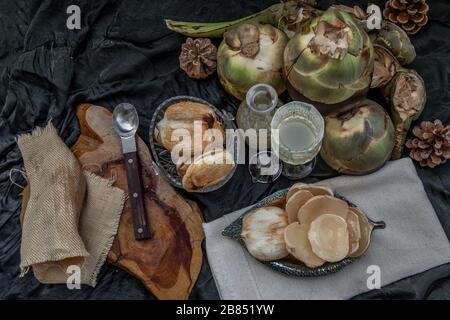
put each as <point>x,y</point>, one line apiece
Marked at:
<point>124,52</point>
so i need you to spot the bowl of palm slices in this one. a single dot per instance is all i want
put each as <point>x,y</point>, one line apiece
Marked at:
<point>205,166</point>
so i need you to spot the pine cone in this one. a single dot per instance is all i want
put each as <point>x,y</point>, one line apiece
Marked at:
<point>430,145</point>
<point>198,57</point>
<point>411,15</point>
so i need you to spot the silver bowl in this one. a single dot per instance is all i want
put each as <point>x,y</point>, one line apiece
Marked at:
<point>162,157</point>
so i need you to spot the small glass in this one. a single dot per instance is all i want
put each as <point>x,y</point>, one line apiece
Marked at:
<point>256,112</point>
<point>264,167</point>
<point>297,130</point>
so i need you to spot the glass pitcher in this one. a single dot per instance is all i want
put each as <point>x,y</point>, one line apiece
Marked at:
<point>257,110</point>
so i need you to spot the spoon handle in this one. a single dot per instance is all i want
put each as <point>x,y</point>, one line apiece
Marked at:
<point>141,227</point>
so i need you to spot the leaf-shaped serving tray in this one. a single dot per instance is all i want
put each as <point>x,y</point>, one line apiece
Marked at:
<point>289,265</point>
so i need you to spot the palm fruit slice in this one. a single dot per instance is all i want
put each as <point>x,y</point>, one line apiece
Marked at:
<point>328,236</point>
<point>365,231</point>
<point>354,231</point>
<point>319,205</point>
<point>298,245</point>
<point>315,190</point>
<point>263,233</point>
<point>295,202</point>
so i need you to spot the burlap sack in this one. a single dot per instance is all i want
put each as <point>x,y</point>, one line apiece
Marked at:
<point>57,190</point>
<point>71,215</point>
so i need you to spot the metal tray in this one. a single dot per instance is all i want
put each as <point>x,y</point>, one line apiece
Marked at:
<point>289,265</point>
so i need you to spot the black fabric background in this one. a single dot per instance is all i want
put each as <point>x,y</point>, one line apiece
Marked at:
<point>125,53</point>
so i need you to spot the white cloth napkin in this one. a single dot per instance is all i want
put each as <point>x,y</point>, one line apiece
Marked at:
<point>412,242</point>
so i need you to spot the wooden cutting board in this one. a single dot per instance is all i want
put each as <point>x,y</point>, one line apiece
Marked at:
<point>170,262</point>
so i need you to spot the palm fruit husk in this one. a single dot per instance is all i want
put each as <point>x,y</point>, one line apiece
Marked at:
<point>358,14</point>
<point>251,53</point>
<point>396,40</point>
<point>406,96</point>
<point>384,68</point>
<point>358,141</point>
<point>330,64</point>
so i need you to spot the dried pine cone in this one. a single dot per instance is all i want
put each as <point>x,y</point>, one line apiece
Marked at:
<point>411,15</point>
<point>198,58</point>
<point>430,145</point>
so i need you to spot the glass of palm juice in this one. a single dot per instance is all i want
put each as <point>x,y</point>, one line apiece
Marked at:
<point>297,130</point>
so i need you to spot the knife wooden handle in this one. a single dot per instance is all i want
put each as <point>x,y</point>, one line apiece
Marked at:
<point>141,227</point>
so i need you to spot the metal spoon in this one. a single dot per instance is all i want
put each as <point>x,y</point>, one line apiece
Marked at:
<point>126,123</point>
